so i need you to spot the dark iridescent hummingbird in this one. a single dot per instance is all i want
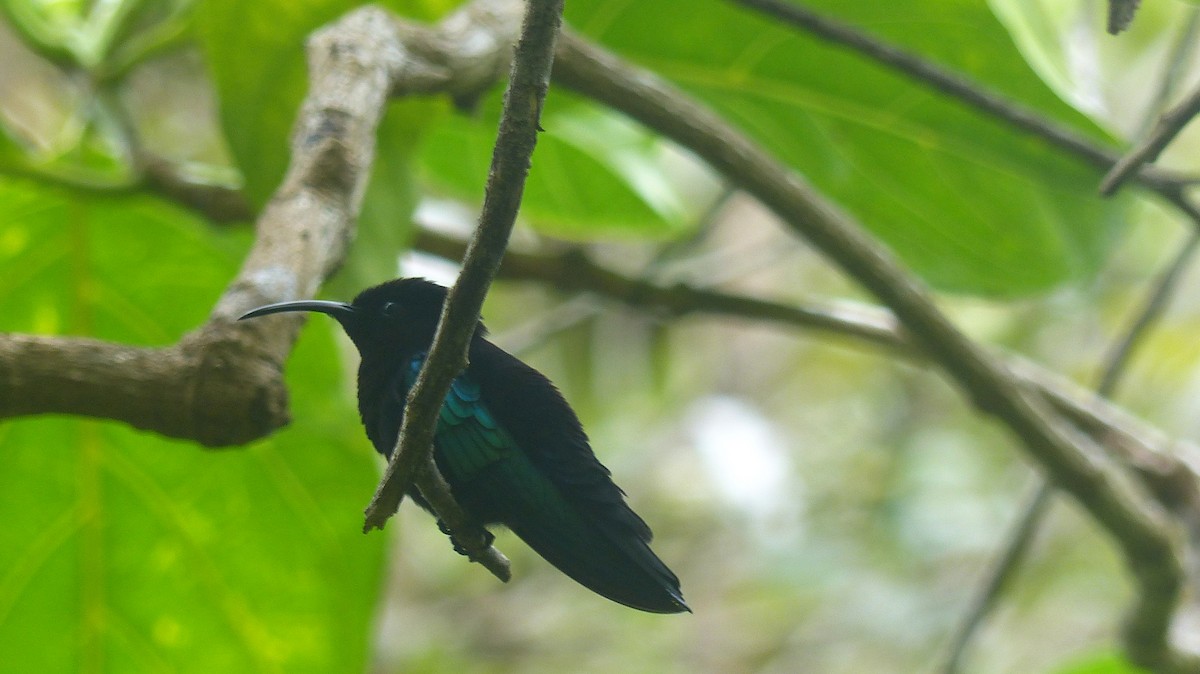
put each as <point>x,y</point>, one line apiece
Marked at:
<point>509,445</point>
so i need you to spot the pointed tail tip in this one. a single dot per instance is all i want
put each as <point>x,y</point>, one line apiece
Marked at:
<point>682,606</point>
<point>673,603</point>
<point>664,601</point>
<point>677,604</point>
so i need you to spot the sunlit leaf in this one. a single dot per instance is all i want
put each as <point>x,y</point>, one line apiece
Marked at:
<point>969,203</point>
<point>595,175</point>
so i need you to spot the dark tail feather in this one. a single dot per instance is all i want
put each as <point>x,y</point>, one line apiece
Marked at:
<point>629,574</point>
<point>604,554</point>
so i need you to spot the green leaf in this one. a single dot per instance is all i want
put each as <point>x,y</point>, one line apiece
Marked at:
<point>149,28</point>
<point>967,202</point>
<point>45,28</point>
<point>89,150</point>
<point>83,34</point>
<point>595,174</point>
<point>126,552</point>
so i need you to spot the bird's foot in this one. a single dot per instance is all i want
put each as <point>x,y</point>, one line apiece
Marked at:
<point>488,537</point>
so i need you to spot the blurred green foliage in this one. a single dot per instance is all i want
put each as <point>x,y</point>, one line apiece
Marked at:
<point>1101,664</point>
<point>841,528</point>
<point>123,551</point>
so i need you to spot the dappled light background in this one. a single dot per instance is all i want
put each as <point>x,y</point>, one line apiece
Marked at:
<point>826,507</point>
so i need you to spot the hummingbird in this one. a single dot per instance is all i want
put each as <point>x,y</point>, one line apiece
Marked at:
<point>509,445</point>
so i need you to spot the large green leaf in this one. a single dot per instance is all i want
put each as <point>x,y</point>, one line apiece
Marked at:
<point>969,203</point>
<point>126,552</point>
<point>594,174</point>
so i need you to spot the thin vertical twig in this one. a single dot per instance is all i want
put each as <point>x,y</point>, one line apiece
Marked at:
<point>515,142</point>
<point>1001,573</point>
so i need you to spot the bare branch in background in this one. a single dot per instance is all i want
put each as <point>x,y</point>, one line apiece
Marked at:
<point>1000,574</point>
<point>217,203</point>
<point>1143,449</point>
<point>1165,486</point>
<point>1169,126</point>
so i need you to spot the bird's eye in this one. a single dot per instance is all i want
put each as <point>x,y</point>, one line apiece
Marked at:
<point>390,309</point>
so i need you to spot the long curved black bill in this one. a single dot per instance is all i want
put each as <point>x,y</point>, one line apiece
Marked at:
<point>338,310</point>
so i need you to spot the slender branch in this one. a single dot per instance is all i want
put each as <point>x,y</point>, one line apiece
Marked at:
<point>1031,519</point>
<point>515,142</point>
<point>466,532</point>
<point>1169,126</point>
<point>1155,304</point>
<point>575,271</point>
<point>219,203</point>
<point>1001,573</point>
<point>1146,538</point>
<point>1178,61</point>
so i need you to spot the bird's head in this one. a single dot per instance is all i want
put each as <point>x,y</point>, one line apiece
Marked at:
<point>398,314</point>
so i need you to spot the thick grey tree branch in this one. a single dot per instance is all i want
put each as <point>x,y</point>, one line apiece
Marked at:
<point>1147,539</point>
<point>221,384</point>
